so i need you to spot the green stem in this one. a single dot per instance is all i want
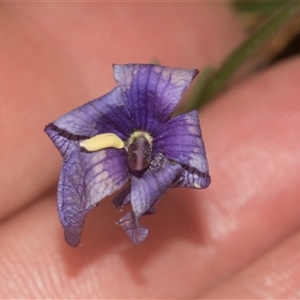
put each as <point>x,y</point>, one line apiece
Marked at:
<point>250,47</point>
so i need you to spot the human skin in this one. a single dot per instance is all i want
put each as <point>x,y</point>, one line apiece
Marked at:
<point>239,238</point>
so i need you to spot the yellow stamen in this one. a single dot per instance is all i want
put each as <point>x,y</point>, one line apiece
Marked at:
<point>102,141</point>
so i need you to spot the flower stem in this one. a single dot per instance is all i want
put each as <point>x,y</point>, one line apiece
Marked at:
<point>219,80</point>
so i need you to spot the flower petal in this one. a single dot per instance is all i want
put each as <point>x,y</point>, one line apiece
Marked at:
<point>152,92</point>
<point>151,186</point>
<point>192,178</point>
<point>122,199</point>
<point>65,142</point>
<point>180,140</point>
<point>132,228</point>
<point>145,192</point>
<point>104,114</point>
<point>86,178</point>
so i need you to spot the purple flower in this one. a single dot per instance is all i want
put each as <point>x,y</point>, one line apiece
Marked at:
<point>127,139</point>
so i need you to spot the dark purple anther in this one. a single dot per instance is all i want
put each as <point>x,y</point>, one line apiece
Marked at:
<point>139,154</point>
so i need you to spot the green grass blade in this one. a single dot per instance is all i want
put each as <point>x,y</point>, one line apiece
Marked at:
<point>219,80</point>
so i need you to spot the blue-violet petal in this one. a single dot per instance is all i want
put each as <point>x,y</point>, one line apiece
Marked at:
<point>87,178</point>
<point>104,114</point>
<point>180,140</point>
<point>152,92</point>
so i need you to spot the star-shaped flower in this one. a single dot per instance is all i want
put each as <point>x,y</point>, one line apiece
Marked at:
<point>128,139</point>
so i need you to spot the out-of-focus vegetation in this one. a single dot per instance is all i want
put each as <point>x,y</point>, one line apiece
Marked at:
<point>254,13</point>
<point>258,7</point>
<point>271,27</point>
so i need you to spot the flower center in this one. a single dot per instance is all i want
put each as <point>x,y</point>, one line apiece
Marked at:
<point>139,150</point>
<point>138,146</point>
